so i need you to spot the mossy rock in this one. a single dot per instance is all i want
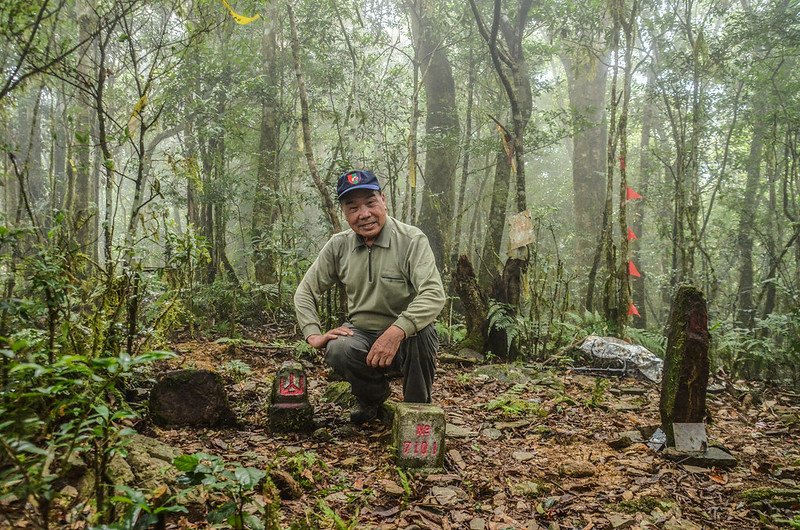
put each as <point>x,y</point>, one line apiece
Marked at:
<point>190,398</point>
<point>339,393</point>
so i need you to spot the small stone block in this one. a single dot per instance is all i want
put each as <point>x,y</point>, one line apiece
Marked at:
<point>418,435</point>
<point>711,457</point>
<point>290,410</point>
<point>690,436</point>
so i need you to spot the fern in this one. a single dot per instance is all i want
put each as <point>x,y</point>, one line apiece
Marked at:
<point>583,324</point>
<point>653,341</point>
<point>503,317</point>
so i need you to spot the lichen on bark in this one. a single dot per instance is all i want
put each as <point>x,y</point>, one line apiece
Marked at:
<point>685,379</point>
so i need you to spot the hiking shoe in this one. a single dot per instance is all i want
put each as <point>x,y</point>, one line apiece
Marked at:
<point>362,413</point>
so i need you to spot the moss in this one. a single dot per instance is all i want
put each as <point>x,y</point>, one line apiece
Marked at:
<point>756,495</point>
<point>530,489</point>
<point>473,341</point>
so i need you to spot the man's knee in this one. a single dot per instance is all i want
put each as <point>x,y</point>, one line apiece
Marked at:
<point>338,353</point>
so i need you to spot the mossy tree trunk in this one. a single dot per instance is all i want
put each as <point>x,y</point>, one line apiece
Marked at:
<point>685,380</point>
<point>465,284</point>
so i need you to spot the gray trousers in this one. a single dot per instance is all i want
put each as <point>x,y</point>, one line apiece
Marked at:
<point>415,362</point>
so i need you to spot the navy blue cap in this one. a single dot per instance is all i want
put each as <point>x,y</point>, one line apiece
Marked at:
<point>357,179</point>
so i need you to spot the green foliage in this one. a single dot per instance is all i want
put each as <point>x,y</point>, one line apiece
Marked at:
<point>599,395</point>
<point>52,411</point>
<point>220,306</point>
<point>236,370</point>
<point>143,511</point>
<point>577,325</point>
<point>652,340</point>
<point>235,487</point>
<point>306,467</point>
<point>300,348</point>
<point>771,351</point>
<point>328,518</point>
<point>511,403</point>
<point>503,317</point>
<point>454,334</point>
<point>405,483</point>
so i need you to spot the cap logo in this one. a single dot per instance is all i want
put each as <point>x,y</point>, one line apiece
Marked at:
<point>353,178</point>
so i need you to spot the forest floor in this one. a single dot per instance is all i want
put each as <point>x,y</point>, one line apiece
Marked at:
<point>526,448</point>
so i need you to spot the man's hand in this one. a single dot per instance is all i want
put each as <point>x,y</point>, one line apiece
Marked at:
<point>385,347</point>
<point>319,341</point>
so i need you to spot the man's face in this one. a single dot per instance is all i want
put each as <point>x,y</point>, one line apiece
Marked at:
<point>365,212</point>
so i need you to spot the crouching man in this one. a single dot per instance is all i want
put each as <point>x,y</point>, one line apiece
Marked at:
<point>394,293</point>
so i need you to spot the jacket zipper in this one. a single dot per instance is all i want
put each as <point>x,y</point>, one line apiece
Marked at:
<point>369,263</point>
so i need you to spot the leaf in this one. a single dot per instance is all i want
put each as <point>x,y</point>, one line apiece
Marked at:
<point>253,522</point>
<point>152,356</point>
<point>248,477</point>
<point>38,369</point>
<point>222,513</point>
<point>186,462</point>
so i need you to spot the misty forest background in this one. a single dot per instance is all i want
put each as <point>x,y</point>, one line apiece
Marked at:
<point>168,167</point>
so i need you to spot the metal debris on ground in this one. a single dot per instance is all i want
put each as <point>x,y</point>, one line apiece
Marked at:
<point>626,356</point>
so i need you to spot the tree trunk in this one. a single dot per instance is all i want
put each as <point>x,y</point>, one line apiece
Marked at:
<point>59,139</point>
<point>627,24</point>
<point>638,211</point>
<point>322,188</point>
<point>465,284</point>
<point>29,155</point>
<point>267,192</point>
<point>772,229</point>
<point>745,316</point>
<point>441,132</point>
<point>490,258</point>
<point>465,160</point>
<point>509,65</point>
<point>81,205</point>
<point>586,84</point>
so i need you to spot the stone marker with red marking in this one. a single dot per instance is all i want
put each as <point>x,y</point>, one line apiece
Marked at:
<point>290,410</point>
<point>418,435</point>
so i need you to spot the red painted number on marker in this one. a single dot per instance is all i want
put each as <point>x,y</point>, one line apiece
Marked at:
<point>292,386</point>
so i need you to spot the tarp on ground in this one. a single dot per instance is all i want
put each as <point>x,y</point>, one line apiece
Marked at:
<point>628,355</point>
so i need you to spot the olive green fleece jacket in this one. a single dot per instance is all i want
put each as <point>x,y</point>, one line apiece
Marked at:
<point>393,282</point>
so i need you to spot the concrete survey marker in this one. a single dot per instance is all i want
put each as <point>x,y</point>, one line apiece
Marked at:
<point>418,434</point>
<point>290,410</point>
<point>690,436</point>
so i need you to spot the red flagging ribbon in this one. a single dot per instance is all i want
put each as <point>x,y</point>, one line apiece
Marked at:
<point>631,234</point>
<point>622,163</point>
<point>632,270</point>
<point>633,311</point>
<point>631,195</point>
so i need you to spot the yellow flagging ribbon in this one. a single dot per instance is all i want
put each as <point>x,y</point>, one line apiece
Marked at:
<point>136,116</point>
<point>240,19</point>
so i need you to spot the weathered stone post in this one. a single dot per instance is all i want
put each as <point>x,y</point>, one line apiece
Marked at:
<point>418,436</point>
<point>685,380</point>
<point>290,410</point>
